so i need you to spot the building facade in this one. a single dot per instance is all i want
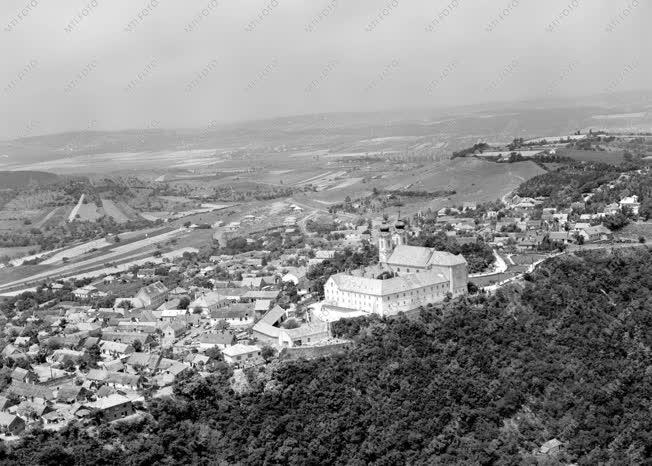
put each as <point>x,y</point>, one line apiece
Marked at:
<point>412,276</point>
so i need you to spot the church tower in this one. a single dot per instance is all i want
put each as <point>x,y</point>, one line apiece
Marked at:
<point>385,246</point>
<point>400,234</point>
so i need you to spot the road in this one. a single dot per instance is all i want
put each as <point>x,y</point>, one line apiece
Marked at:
<point>501,267</point>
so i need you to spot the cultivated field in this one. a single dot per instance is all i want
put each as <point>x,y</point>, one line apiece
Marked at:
<point>112,210</point>
<point>612,157</point>
<point>89,212</point>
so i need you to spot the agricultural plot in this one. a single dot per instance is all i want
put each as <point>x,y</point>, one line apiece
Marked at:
<point>476,180</point>
<point>612,157</point>
<point>89,212</point>
<point>40,223</point>
<point>473,180</point>
<point>35,200</point>
<point>127,210</point>
<point>14,219</point>
<point>17,251</point>
<point>112,210</point>
<point>10,221</point>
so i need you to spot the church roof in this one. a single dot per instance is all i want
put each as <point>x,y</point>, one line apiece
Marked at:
<point>373,286</point>
<point>418,256</point>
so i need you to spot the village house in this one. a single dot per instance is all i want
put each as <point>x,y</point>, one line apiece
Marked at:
<point>236,315</point>
<point>29,391</point>
<point>171,332</point>
<point>146,273</point>
<point>612,209</point>
<point>63,354</point>
<point>116,365</point>
<point>596,233</point>
<point>140,362</point>
<point>551,447</point>
<point>152,296</point>
<point>630,203</point>
<point>114,349</point>
<point>266,329</point>
<point>85,292</point>
<point>5,403</point>
<point>212,340</point>
<point>579,226</point>
<point>122,381</point>
<point>71,393</point>
<point>196,360</point>
<point>11,424</point>
<point>262,305</point>
<point>253,295</point>
<point>12,352</point>
<point>23,375</point>
<point>239,353</point>
<point>564,237</point>
<point>112,407</point>
<point>22,341</point>
<point>124,336</point>
<point>233,295</point>
<point>305,334</point>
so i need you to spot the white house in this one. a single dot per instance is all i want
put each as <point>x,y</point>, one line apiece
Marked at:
<point>630,203</point>
<point>240,353</point>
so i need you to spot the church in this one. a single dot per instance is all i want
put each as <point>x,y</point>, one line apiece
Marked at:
<point>406,278</point>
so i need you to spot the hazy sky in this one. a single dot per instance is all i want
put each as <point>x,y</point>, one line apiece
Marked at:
<point>112,64</point>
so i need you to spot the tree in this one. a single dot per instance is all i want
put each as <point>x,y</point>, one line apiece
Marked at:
<point>137,345</point>
<point>183,302</point>
<point>126,305</point>
<point>267,353</point>
<point>290,324</point>
<point>214,354</point>
<point>68,364</point>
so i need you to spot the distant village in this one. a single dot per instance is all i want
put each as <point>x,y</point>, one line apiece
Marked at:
<point>69,357</point>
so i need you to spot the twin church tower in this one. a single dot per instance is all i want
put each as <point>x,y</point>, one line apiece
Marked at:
<point>389,240</point>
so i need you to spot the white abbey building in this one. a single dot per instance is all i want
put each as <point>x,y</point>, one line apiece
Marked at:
<point>421,276</point>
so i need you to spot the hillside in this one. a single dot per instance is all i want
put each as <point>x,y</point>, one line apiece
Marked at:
<point>20,179</point>
<point>480,380</point>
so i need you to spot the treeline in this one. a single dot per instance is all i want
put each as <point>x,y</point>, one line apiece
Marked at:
<point>412,193</point>
<point>478,380</point>
<point>481,146</point>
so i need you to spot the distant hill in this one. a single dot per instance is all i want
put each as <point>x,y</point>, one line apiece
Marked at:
<point>17,179</point>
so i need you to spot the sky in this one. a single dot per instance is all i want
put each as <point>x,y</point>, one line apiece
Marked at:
<point>117,64</point>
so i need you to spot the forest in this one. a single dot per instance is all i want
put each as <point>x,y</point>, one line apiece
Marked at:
<point>481,379</point>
